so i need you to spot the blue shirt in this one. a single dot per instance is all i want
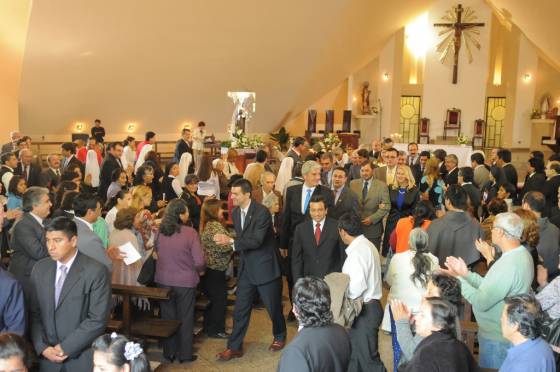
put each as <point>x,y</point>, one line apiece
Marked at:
<point>530,356</point>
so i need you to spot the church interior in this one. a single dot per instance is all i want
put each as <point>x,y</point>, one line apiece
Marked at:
<point>408,70</point>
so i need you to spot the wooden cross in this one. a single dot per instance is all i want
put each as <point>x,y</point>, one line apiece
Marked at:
<point>459,27</point>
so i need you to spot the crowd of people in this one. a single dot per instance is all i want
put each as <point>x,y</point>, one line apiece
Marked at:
<point>335,226</point>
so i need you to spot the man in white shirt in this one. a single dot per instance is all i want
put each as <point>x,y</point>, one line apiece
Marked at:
<point>413,157</point>
<point>9,163</point>
<point>363,267</point>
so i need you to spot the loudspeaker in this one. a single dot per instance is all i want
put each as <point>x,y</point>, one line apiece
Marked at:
<point>311,121</point>
<point>347,121</point>
<point>329,121</point>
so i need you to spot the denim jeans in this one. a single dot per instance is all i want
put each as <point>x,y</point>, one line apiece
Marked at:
<point>492,353</point>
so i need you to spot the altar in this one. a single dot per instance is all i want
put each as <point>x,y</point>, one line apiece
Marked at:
<point>463,153</point>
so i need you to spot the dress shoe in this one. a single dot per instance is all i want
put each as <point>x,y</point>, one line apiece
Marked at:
<point>277,345</point>
<point>229,354</point>
<point>191,359</point>
<point>221,335</point>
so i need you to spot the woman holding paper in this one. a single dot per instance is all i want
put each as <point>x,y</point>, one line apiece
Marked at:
<point>122,234</point>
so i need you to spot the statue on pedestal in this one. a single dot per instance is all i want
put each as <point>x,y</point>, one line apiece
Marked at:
<point>366,108</point>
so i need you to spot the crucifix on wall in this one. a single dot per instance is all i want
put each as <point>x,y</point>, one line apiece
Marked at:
<point>459,25</point>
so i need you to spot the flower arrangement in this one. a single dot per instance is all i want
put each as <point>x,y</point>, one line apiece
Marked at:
<point>242,141</point>
<point>462,139</point>
<point>396,137</point>
<point>329,142</point>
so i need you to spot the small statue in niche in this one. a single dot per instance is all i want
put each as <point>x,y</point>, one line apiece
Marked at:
<point>366,109</point>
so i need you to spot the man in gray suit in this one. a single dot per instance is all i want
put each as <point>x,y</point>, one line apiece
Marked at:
<point>28,236</point>
<point>70,304</point>
<point>12,145</point>
<point>87,209</point>
<point>386,174</point>
<point>373,198</point>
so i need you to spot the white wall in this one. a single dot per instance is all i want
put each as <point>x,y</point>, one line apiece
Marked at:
<point>470,91</point>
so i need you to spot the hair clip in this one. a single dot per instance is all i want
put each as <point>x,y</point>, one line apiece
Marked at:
<point>132,350</point>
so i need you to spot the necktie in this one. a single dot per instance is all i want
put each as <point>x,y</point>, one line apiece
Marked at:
<point>242,219</point>
<point>59,283</point>
<point>24,173</point>
<point>317,232</point>
<point>336,195</point>
<point>364,191</point>
<point>57,172</point>
<point>307,199</point>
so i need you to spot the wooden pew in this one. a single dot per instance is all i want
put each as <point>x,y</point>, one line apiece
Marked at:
<point>469,328</point>
<point>155,328</point>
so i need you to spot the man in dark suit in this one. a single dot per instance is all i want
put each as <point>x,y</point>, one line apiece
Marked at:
<point>358,158</point>
<point>386,174</point>
<point>184,145</point>
<point>418,168</point>
<point>413,156</point>
<point>12,310</point>
<point>327,165</point>
<point>111,162</point>
<point>296,208</point>
<point>28,236</point>
<point>50,177</point>
<point>550,188</point>
<point>9,163</point>
<point>504,162</point>
<point>465,179</point>
<point>320,345</point>
<point>345,200</point>
<point>68,151</point>
<point>298,147</point>
<point>451,165</point>
<point>317,249</point>
<point>259,269</point>
<point>440,155</point>
<point>71,302</point>
<point>31,172</point>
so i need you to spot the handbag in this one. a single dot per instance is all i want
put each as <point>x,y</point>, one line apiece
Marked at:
<point>147,274</point>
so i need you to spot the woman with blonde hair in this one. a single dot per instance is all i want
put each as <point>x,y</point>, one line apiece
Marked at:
<point>217,257</point>
<point>432,187</point>
<point>404,195</point>
<point>144,221</point>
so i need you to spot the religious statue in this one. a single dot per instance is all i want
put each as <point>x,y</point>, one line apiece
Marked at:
<point>244,108</point>
<point>459,24</point>
<point>366,109</point>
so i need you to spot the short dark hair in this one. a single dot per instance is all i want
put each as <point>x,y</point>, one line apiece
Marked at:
<point>392,149</point>
<point>115,348</point>
<point>412,144</point>
<point>505,155</point>
<point>425,153</point>
<point>351,223</point>
<point>233,178</point>
<point>318,199</point>
<point>363,153</point>
<point>69,146</point>
<point>201,124</point>
<point>497,206</point>
<point>113,145</point>
<point>457,196</point>
<point>537,154</point>
<point>449,288</point>
<point>84,202</point>
<point>535,200</point>
<point>191,178</point>
<point>477,158</point>
<point>14,345</point>
<point>116,174</point>
<point>388,140</point>
<point>149,135</point>
<point>440,154</point>
<point>97,121</point>
<point>340,169</point>
<point>125,218</point>
<point>298,141</point>
<point>244,184</point>
<point>312,299</point>
<point>554,157</point>
<point>5,157</point>
<point>261,156</point>
<point>444,315</point>
<point>525,311</point>
<point>63,224</point>
<point>467,173</point>
<point>12,185</point>
<point>537,163</point>
<point>68,175</point>
<point>555,166</point>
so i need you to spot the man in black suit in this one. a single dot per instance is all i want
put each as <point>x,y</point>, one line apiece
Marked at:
<point>111,162</point>
<point>9,163</point>
<point>71,301</point>
<point>317,249</point>
<point>466,176</point>
<point>413,156</point>
<point>31,172</point>
<point>259,269</point>
<point>550,188</point>
<point>298,147</point>
<point>451,165</point>
<point>296,208</point>
<point>320,345</point>
<point>345,200</point>
<point>184,145</point>
<point>440,155</point>
<point>327,164</point>
<point>68,151</point>
<point>28,236</point>
<point>50,177</point>
<point>418,168</point>
<point>504,162</point>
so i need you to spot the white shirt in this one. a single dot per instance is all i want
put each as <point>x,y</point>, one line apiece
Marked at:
<point>68,266</point>
<point>84,221</point>
<point>364,268</point>
<point>244,211</point>
<point>7,177</point>
<point>304,196</point>
<point>321,224</point>
<point>110,218</point>
<point>210,187</point>
<point>37,218</point>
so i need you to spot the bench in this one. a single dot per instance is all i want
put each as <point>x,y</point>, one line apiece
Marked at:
<point>155,328</point>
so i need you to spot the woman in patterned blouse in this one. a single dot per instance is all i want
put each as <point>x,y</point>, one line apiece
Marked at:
<point>217,261</point>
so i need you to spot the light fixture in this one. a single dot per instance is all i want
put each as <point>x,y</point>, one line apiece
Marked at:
<point>131,127</point>
<point>527,77</point>
<point>417,36</point>
<point>79,127</point>
<point>385,76</point>
<point>354,99</point>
